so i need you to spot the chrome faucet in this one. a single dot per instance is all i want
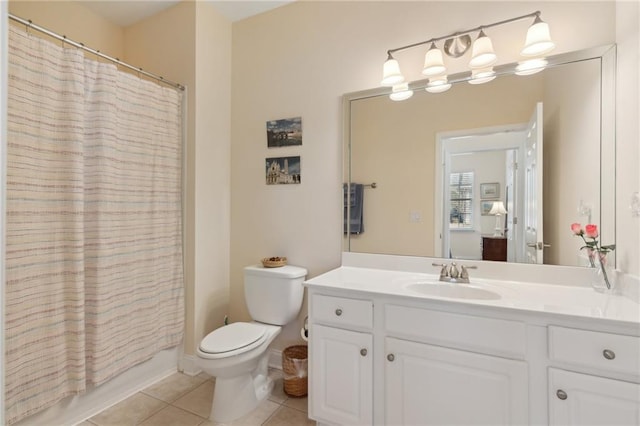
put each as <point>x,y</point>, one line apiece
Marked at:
<point>451,273</point>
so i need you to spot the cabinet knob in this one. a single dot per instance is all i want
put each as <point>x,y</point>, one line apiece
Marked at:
<point>608,354</point>
<point>561,394</point>
<point>391,357</point>
<point>338,312</point>
<point>363,352</point>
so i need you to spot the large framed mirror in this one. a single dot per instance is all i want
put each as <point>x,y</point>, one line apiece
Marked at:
<point>455,175</point>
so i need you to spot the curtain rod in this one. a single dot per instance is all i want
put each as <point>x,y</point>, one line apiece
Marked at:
<point>29,24</point>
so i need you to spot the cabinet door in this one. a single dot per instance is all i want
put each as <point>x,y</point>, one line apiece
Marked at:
<point>581,399</point>
<point>341,376</point>
<point>431,385</point>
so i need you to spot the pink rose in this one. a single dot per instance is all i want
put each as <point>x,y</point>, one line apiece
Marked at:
<point>591,231</point>
<point>576,228</point>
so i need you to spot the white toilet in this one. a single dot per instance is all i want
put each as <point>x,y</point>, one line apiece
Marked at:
<point>236,354</point>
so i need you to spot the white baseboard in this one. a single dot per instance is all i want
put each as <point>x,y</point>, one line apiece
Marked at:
<point>75,409</point>
<point>275,359</point>
<point>188,366</point>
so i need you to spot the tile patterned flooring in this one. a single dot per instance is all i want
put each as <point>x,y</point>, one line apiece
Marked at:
<point>181,400</point>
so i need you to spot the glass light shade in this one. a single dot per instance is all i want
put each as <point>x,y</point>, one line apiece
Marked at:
<point>483,75</point>
<point>391,73</point>
<point>438,85</point>
<point>497,208</point>
<point>538,41</point>
<point>531,66</point>
<point>482,54</point>
<point>433,62</point>
<point>401,92</point>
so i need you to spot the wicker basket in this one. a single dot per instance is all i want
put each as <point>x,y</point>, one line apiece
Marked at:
<point>295,377</point>
<point>274,262</point>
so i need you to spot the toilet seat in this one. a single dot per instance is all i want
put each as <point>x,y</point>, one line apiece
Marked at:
<point>232,339</point>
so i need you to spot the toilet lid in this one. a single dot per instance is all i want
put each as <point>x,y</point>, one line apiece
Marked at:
<point>233,337</point>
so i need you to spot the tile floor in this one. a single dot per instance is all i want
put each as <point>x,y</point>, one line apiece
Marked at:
<point>181,400</point>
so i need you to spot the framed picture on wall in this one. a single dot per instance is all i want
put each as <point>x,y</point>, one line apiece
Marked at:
<point>489,190</point>
<point>485,207</point>
<point>282,170</point>
<point>284,132</point>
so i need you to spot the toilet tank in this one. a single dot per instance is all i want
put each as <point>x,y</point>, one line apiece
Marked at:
<point>274,295</point>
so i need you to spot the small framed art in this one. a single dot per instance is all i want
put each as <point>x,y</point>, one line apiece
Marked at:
<point>282,170</point>
<point>489,190</point>
<point>284,132</point>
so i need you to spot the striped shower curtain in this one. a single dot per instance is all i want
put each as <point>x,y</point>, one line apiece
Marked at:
<point>94,234</point>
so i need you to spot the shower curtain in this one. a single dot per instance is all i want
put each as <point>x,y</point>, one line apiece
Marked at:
<point>94,223</point>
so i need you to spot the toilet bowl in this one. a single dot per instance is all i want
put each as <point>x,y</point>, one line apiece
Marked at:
<point>236,354</point>
<point>241,372</point>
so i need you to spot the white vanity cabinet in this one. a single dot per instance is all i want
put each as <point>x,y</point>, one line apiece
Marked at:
<point>379,355</point>
<point>599,398</point>
<point>431,385</point>
<point>341,360</point>
<point>582,399</point>
<point>437,367</point>
<point>446,368</point>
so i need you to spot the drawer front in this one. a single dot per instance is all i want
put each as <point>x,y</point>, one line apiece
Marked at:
<point>478,334</point>
<point>340,311</point>
<point>592,349</point>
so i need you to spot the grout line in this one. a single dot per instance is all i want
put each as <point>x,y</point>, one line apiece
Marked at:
<point>154,412</point>
<point>272,415</point>
<point>191,391</point>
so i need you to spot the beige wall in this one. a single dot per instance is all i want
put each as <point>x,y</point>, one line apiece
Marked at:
<point>73,20</point>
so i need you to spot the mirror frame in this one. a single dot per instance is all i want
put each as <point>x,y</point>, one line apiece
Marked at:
<point>606,54</point>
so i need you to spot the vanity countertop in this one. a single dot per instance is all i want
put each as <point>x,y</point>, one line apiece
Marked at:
<point>526,297</point>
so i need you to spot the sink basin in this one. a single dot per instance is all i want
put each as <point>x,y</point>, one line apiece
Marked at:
<point>452,291</point>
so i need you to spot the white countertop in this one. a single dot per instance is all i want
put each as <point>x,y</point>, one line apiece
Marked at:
<point>576,301</point>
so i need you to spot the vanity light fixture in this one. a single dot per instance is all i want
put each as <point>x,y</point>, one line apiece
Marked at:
<point>483,57</point>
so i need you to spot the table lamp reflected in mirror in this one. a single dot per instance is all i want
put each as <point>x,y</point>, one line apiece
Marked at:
<point>498,210</point>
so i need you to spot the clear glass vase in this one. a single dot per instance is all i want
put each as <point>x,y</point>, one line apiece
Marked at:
<point>604,276</point>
